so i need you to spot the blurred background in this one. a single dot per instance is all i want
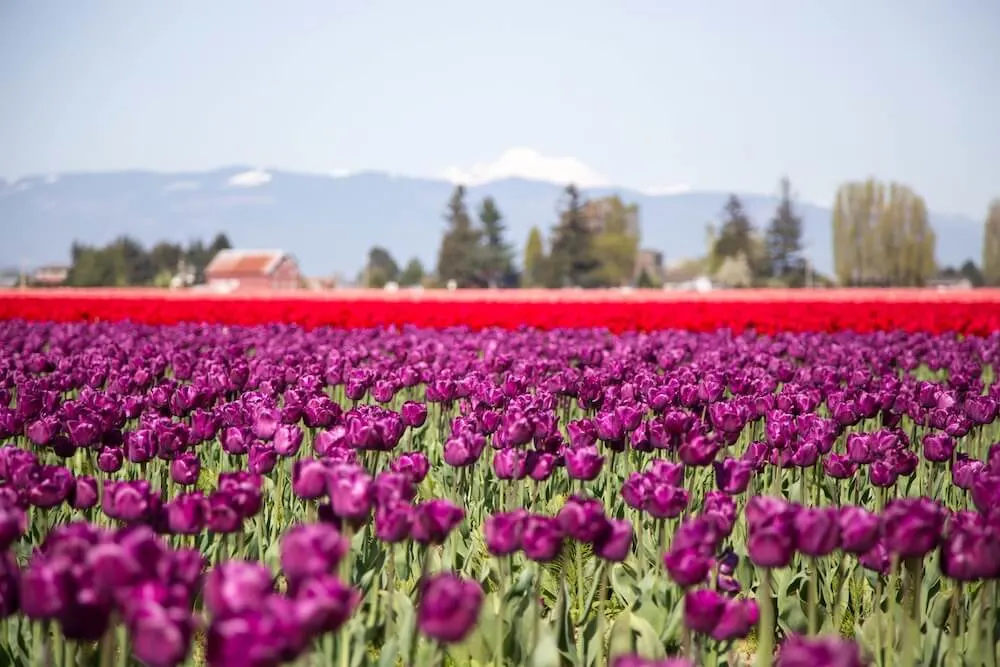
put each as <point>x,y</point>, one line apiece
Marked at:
<point>263,146</point>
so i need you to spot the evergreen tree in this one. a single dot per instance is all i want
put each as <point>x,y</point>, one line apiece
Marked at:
<point>991,246</point>
<point>784,235</point>
<point>571,260</point>
<point>736,234</point>
<point>459,256</point>
<point>497,255</point>
<point>534,259</point>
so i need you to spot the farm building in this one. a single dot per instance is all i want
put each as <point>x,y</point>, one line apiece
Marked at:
<point>253,270</point>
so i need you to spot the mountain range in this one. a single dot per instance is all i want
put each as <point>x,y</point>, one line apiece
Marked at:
<point>330,222</point>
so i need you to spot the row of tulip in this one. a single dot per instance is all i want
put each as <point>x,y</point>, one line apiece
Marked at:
<point>199,494</point>
<point>768,315</point>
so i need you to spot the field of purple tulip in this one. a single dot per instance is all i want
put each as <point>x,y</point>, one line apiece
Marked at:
<point>248,497</point>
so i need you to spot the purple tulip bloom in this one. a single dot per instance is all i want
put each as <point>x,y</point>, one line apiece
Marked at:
<point>702,609</point>
<point>860,529</point>
<point>771,531</point>
<point>234,587</point>
<point>817,530</point>
<point>502,532</point>
<point>913,526</point>
<point>311,550</point>
<point>449,608</point>
<point>583,463</point>
<point>615,542</point>
<point>324,603</point>
<point>541,538</point>
<point>185,469</point>
<point>797,651</point>
<point>434,519</point>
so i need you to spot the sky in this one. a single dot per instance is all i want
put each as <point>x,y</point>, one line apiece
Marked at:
<point>657,95</point>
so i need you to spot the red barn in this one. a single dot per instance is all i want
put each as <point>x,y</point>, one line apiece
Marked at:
<point>253,270</point>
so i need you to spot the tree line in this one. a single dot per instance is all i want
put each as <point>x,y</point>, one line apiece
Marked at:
<point>881,237</point>
<point>125,262</point>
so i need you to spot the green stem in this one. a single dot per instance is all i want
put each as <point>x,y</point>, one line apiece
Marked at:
<point>765,634</point>
<point>813,596</point>
<point>536,627</point>
<point>390,575</point>
<point>893,586</point>
<point>989,612</point>
<point>345,574</point>
<point>108,647</point>
<point>602,596</point>
<point>414,634</point>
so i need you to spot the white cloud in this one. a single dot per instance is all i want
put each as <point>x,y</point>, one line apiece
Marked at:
<point>527,163</point>
<point>250,179</point>
<point>341,173</point>
<point>660,191</point>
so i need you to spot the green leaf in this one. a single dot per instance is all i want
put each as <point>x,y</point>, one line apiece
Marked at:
<point>546,653</point>
<point>648,643</point>
<point>621,641</point>
<point>624,584</point>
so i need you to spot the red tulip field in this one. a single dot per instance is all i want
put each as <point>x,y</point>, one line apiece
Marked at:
<point>498,479</point>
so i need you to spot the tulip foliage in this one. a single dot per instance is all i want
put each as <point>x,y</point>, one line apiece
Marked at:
<point>254,496</point>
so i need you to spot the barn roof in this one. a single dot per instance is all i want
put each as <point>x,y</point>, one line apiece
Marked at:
<point>259,262</point>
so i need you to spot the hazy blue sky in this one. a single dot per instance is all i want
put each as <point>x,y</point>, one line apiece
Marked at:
<point>651,94</point>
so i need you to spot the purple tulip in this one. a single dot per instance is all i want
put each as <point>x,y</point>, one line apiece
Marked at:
<point>13,523</point>
<point>433,520</point>
<point>129,501</point>
<point>324,603</point>
<point>797,651</point>
<point>414,414</point>
<point>771,531</point>
<point>583,463</point>
<point>615,542</point>
<point>265,424</point>
<point>817,530</point>
<point>393,522</point>
<point>665,501</point>
<point>737,619</point>
<point>582,519</point>
<point>287,440</point>
<point>261,458</point>
<point>412,464</point>
<point>502,532</point>
<point>702,609</point>
<point>110,459</point>
<point>732,476</point>
<point>541,538</point>
<point>160,636</point>
<point>10,595</point>
<point>351,492</point>
<point>185,469</point>
<point>698,450</point>
<point>186,514</point>
<point>938,447</point>
<point>309,479</point>
<point>913,526</point>
<point>449,608</point>
<point>860,529</point>
<point>311,550</point>
<point>234,587</point>
<point>687,566</point>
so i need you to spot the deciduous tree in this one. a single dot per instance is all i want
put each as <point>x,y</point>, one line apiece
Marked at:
<point>991,246</point>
